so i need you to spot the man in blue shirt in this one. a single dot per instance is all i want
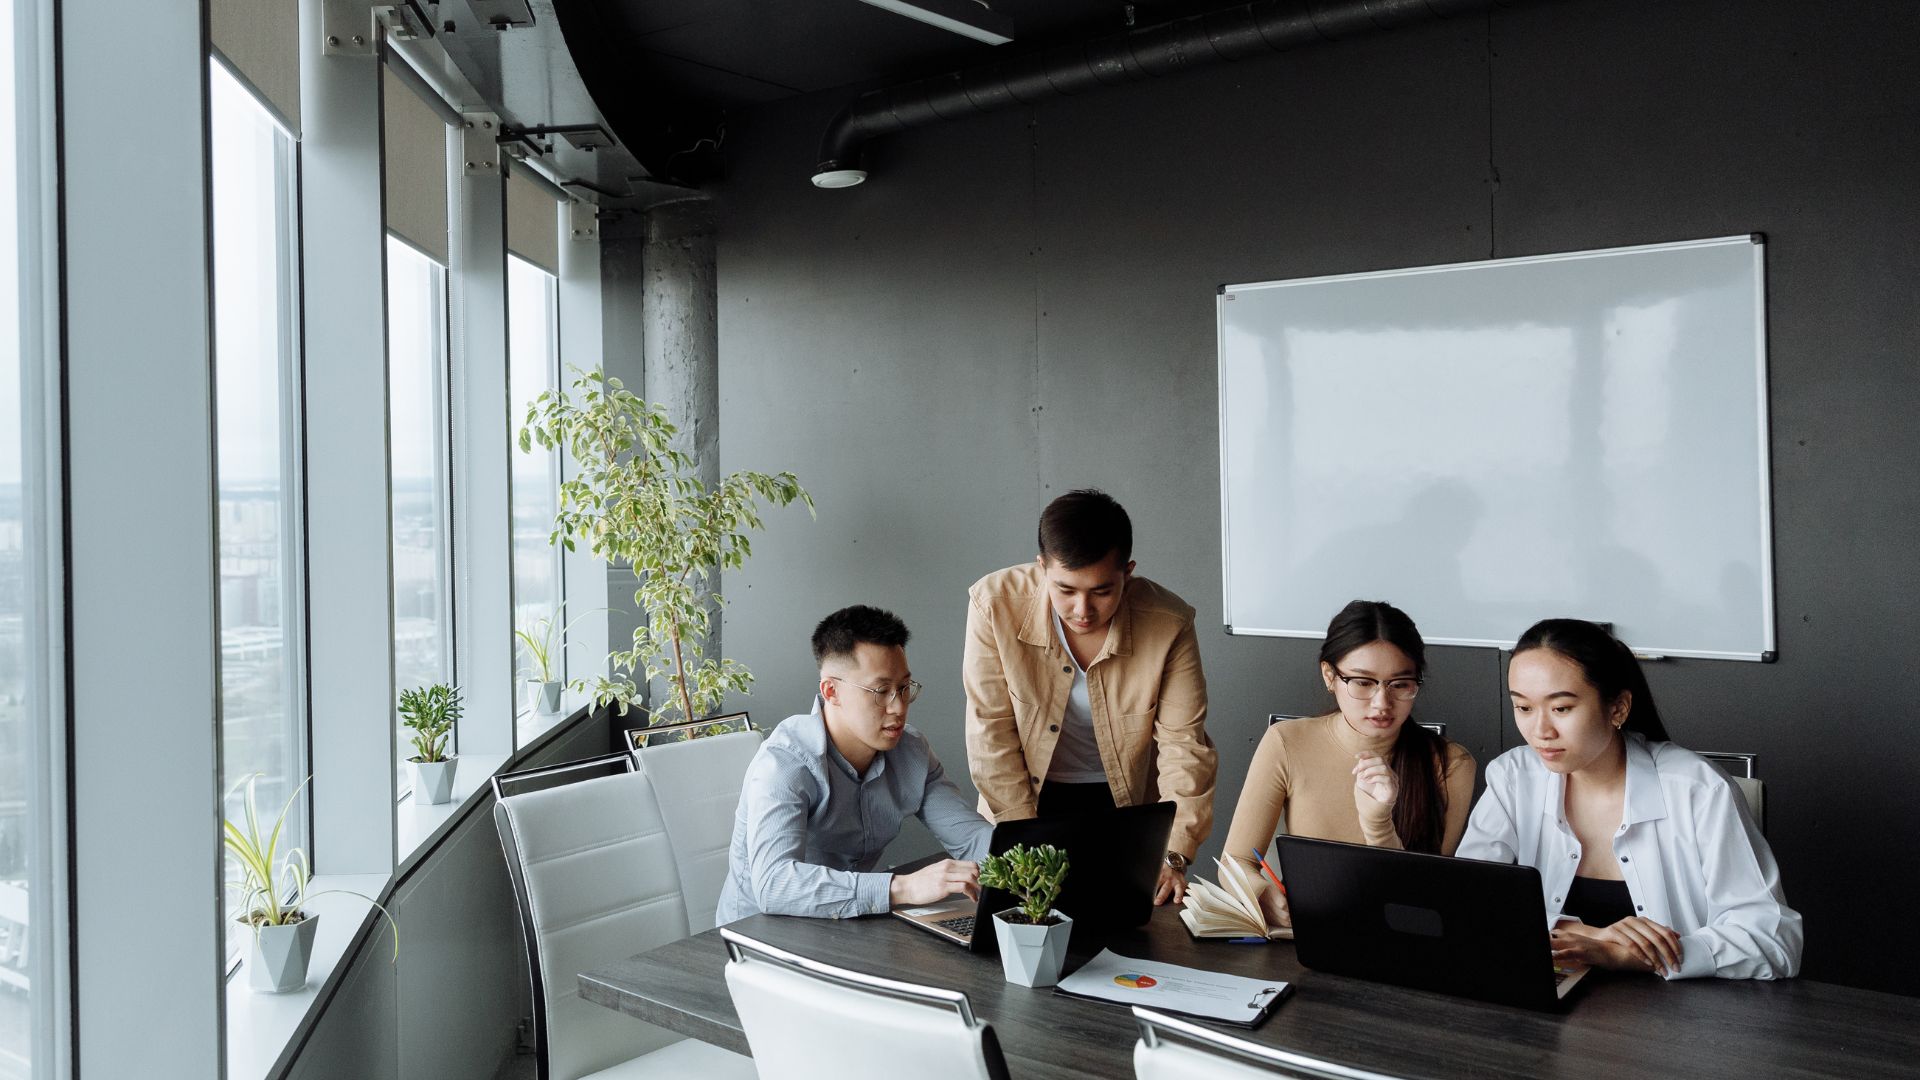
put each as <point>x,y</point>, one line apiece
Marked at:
<point>827,791</point>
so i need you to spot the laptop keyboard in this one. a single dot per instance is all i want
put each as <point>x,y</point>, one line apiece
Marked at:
<point>959,924</point>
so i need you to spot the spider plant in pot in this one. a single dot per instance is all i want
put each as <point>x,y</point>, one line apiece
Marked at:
<point>272,888</point>
<point>431,711</point>
<point>1032,935</point>
<point>542,641</point>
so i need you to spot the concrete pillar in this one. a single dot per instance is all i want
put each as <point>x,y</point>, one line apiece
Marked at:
<point>682,340</point>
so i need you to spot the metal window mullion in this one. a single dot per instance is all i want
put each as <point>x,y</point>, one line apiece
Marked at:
<point>482,453</point>
<point>48,731</point>
<point>555,473</point>
<point>347,457</point>
<point>293,566</point>
<point>578,331</point>
<point>138,353</point>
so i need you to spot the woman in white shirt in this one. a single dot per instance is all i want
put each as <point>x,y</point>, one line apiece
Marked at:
<point>1647,845</point>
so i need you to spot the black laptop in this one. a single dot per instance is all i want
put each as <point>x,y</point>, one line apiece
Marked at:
<point>1113,864</point>
<point>1458,926</point>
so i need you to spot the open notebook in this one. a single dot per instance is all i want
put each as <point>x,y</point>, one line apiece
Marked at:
<point>1231,908</point>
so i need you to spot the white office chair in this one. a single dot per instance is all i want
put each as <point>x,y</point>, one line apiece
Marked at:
<point>595,878</point>
<point>697,783</point>
<point>1739,769</point>
<point>812,1021</point>
<point>1174,1049</point>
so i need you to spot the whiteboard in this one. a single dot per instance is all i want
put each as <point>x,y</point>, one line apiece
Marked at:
<point>1487,444</point>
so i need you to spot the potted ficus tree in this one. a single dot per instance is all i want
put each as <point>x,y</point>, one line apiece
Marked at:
<point>273,894</point>
<point>431,712</point>
<point>543,640</point>
<point>1033,936</point>
<point>638,502</point>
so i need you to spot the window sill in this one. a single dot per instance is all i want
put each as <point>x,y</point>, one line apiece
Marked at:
<point>417,823</point>
<point>261,1027</point>
<point>266,1031</point>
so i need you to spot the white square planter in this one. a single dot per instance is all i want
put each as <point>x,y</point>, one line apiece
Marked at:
<point>433,780</point>
<point>278,962</point>
<point>1032,955</point>
<point>545,696</point>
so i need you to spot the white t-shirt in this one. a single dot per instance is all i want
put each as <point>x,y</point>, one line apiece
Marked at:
<point>1076,757</point>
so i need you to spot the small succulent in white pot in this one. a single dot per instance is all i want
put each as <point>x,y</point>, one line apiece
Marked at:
<point>432,712</point>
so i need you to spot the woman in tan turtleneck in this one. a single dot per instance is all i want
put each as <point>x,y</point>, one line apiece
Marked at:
<point>1362,774</point>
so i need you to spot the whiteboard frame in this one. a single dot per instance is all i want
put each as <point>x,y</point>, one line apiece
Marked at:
<point>1757,241</point>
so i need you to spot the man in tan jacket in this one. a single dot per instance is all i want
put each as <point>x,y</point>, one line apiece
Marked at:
<point>1081,679</point>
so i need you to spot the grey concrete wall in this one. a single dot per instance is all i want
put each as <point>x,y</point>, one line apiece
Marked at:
<point>1022,303</point>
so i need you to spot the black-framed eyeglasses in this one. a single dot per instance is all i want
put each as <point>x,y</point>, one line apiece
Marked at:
<point>907,692</point>
<point>1362,688</point>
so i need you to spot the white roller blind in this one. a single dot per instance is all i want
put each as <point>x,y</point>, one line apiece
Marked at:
<point>260,40</point>
<point>416,165</point>
<point>533,222</point>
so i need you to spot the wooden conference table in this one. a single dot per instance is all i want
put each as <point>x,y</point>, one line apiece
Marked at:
<point>1618,1027</point>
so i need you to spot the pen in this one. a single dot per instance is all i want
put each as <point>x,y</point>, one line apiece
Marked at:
<point>1246,941</point>
<point>1275,878</point>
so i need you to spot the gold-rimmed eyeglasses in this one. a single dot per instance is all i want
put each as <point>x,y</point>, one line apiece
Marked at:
<point>907,691</point>
<point>1362,688</point>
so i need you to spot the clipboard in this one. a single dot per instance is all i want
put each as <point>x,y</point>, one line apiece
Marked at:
<point>1194,993</point>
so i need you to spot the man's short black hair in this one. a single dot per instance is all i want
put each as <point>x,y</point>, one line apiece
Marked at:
<point>1082,527</point>
<point>839,632</point>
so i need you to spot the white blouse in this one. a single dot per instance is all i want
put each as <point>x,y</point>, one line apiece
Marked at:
<point>1692,857</point>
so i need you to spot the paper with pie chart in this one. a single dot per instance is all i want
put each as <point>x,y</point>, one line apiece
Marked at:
<point>1210,995</point>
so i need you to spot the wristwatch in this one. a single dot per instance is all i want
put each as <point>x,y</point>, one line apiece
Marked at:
<point>1177,862</point>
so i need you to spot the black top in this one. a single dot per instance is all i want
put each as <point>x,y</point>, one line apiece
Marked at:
<point>1597,902</point>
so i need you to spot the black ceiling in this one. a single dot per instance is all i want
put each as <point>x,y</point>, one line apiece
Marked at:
<point>665,73</point>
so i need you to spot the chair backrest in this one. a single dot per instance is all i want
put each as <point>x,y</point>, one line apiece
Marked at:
<point>595,879</point>
<point>806,1020</point>
<point>1739,769</point>
<point>1174,1049</point>
<point>697,783</point>
<point>506,785</point>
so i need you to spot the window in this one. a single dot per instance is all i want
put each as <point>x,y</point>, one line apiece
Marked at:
<point>533,366</point>
<point>417,423</point>
<point>262,681</point>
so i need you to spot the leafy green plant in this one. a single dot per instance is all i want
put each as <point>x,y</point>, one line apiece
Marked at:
<point>543,638</point>
<point>635,500</point>
<point>431,712</point>
<point>1034,876</point>
<point>272,887</point>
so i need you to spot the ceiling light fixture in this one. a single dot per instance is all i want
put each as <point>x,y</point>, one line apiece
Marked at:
<point>968,18</point>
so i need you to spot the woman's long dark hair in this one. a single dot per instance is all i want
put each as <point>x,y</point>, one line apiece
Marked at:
<point>1419,756</point>
<point>1606,662</point>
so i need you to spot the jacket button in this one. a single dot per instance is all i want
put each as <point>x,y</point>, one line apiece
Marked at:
<point>1573,854</point>
<point>1625,858</point>
<point>1053,727</point>
<point>1639,907</point>
<point>1556,899</point>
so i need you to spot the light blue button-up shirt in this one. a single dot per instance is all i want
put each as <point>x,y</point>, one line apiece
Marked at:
<point>809,830</point>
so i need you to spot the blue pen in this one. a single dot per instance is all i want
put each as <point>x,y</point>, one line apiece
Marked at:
<point>1246,941</point>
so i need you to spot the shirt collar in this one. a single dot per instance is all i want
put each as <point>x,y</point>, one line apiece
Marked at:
<point>1042,625</point>
<point>822,743</point>
<point>1644,800</point>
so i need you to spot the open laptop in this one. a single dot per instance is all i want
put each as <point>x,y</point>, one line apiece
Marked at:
<point>1113,863</point>
<point>1457,926</point>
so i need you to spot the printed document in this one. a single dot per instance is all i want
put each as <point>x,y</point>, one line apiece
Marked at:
<point>1209,995</point>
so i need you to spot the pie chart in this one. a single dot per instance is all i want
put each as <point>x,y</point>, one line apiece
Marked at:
<point>1136,981</point>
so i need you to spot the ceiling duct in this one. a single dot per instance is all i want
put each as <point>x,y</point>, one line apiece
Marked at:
<point>1174,48</point>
